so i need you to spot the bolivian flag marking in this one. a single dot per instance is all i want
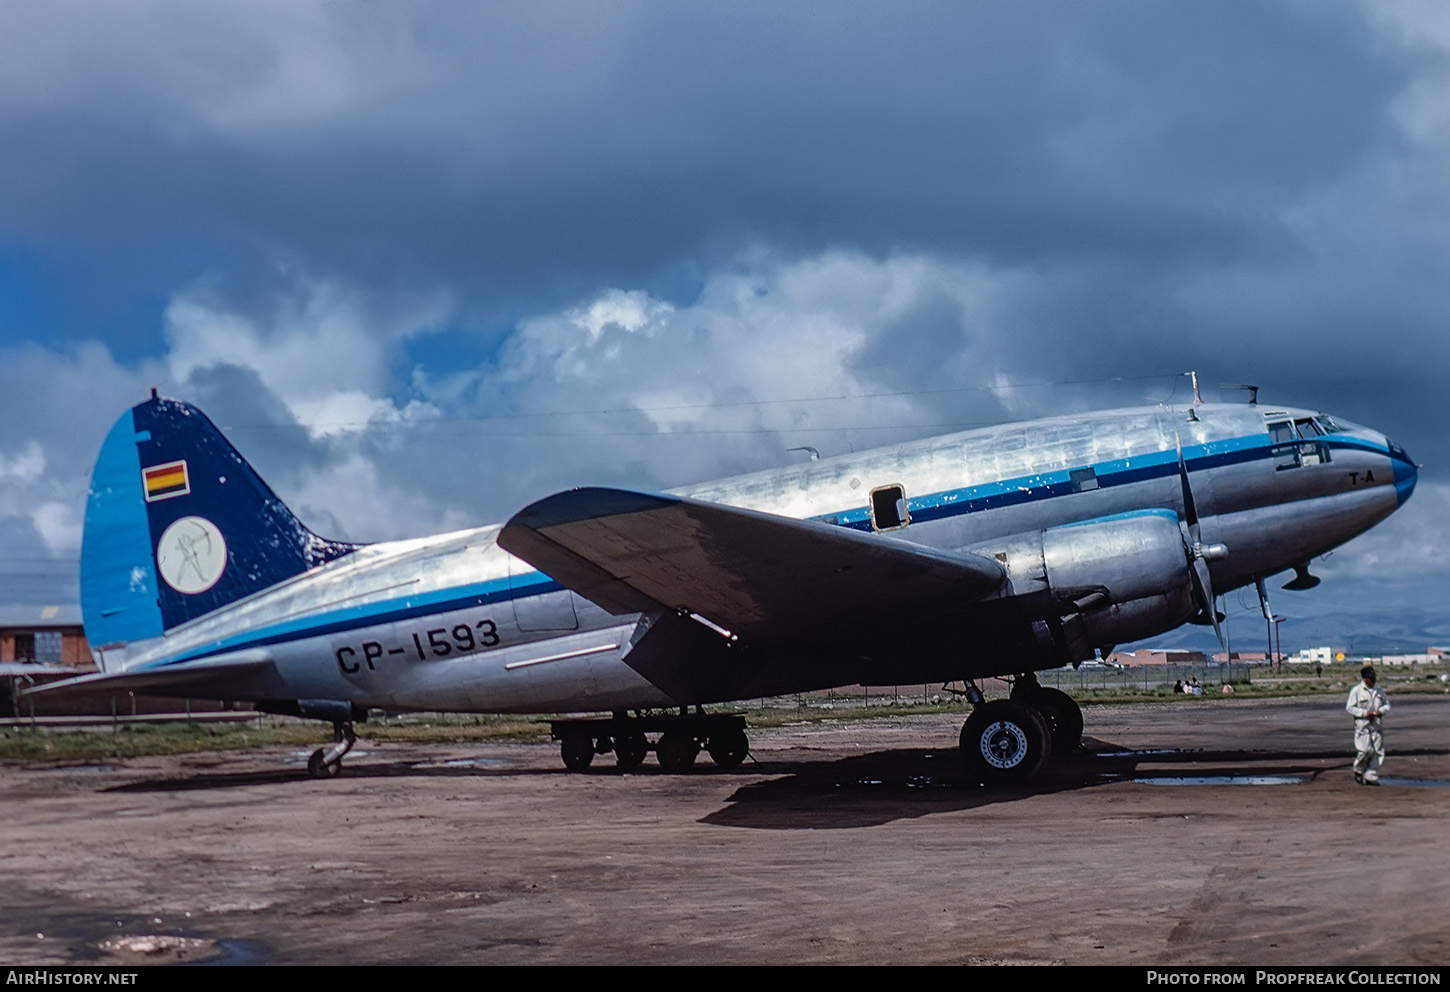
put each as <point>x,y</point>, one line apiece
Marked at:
<point>165,481</point>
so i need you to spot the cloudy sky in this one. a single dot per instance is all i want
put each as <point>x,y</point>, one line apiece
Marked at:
<point>427,261</point>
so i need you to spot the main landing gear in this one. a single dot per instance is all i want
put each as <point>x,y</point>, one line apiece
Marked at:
<point>1007,741</point>
<point>681,738</point>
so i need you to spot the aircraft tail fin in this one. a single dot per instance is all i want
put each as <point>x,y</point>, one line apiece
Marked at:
<point>178,525</point>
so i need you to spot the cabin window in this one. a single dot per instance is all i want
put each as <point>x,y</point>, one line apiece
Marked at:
<point>888,508</point>
<point>1286,452</point>
<point>1083,479</point>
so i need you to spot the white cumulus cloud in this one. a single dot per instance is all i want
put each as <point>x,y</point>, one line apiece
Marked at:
<point>322,348</point>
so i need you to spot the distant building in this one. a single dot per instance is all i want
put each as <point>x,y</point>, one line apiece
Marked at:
<point>1319,656</point>
<point>1154,656</point>
<point>38,643</point>
<point>1410,659</point>
<point>1256,657</point>
<point>1328,656</point>
<point>35,643</point>
<point>50,635</point>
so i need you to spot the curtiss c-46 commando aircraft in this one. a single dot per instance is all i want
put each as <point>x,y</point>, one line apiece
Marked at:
<point>994,552</point>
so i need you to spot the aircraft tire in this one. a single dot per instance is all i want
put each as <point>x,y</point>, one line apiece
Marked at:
<point>729,747</point>
<point>577,751</point>
<point>1004,743</point>
<point>1064,719</point>
<point>319,767</point>
<point>630,751</point>
<point>677,752</point>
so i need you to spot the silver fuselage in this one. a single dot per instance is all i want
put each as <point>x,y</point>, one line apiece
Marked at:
<point>453,622</point>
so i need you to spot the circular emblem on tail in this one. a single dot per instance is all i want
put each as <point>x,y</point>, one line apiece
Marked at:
<point>191,555</point>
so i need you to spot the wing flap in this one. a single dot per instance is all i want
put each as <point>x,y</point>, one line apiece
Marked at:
<point>759,575</point>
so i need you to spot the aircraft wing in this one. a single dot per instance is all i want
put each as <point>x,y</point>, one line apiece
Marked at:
<point>760,576</point>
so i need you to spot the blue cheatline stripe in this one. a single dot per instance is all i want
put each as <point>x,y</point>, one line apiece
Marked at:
<point>371,615</point>
<point>1115,472</point>
<point>934,506</point>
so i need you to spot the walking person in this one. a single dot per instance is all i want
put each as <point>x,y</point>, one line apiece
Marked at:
<point>1367,704</point>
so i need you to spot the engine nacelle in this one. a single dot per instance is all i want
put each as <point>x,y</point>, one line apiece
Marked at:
<point>1103,581</point>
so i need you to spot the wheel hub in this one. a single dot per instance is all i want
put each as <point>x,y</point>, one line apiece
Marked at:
<point>1004,745</point>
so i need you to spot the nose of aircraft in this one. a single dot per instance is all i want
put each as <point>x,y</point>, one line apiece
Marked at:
<point>1405,471</point>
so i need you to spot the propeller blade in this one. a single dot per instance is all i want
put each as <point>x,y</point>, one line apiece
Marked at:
<point>1203,585</point>
<point>1202,581</point>
<point>1190,510</point>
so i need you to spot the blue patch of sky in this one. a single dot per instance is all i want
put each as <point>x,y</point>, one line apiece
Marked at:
<point>56,302</point>
<point>451,349</point>
<point>24,295</point>
<point>680,283</point>
<point>443,353</point>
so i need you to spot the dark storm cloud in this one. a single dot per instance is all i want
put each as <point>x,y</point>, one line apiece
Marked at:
<point>520,153</point>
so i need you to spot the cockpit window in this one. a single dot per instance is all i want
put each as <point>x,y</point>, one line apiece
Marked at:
<point>1327,425</point>
<point>1295,442</point>
<point>1338,425</point>
<point>1305,429</point>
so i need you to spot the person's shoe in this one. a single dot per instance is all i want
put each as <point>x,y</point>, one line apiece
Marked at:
<point>1359,777</point>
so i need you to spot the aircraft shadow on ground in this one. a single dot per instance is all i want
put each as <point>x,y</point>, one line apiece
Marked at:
<point>872,789</point>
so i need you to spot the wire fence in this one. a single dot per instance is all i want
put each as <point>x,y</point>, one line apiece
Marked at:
<point>1146,677</point>
<point>1094,678</point>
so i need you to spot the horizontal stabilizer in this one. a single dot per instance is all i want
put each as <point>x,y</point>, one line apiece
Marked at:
<point>760,576</point>
<point>25,669</point>
<point>196,674</point>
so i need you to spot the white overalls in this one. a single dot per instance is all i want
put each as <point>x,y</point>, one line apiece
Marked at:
<point>1369,739</point>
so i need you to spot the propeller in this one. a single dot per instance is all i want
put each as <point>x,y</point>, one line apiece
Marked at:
<point>1199,554</point>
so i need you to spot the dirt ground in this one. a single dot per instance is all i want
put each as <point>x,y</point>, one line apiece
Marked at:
<point>1197,832</point>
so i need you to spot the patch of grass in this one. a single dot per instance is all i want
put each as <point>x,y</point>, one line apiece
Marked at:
<point>458,729</point>
<point>139,740</point>
<point>144,740</point>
